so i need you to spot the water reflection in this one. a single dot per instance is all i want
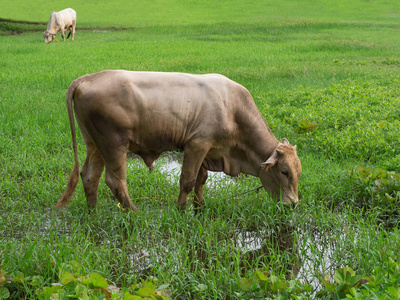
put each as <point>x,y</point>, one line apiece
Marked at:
<point>319,255</point>
<point>254,252</point>
<point>276,244</point>
<point>304,259</point>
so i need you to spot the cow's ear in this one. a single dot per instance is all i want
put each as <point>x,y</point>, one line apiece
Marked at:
<point>270,161</point>
<point>285,141</point>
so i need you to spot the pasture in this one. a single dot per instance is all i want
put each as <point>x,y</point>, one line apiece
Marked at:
<point>324,74</point>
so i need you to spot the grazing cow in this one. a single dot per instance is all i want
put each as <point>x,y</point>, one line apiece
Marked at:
<point>62,20</point>
<point>213,119</point>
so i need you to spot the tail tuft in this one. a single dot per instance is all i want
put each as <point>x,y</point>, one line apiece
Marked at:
<point>72,182</point>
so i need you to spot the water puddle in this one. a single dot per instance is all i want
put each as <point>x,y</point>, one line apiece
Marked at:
<point>304,265</point>
<point>321,255</point>
<point>170,165</point>
<point>316,256</point>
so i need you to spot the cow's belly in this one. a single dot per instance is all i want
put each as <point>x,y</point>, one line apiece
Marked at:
<point>150,147</point>
<point>154,144</point>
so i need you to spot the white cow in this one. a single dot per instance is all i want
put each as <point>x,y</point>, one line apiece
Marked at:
<point>61,20</point>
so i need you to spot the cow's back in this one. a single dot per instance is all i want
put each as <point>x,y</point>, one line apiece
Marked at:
<point>161,111</point>
<point>64,18</point>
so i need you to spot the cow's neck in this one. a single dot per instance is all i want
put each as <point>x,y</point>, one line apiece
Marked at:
<point>256,144</point>
<point>261,144</point>
<point>51,27</point>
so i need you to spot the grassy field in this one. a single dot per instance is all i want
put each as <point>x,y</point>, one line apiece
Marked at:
<point>324,74</point>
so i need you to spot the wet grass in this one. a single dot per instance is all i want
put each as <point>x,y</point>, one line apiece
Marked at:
<point>335,66</point>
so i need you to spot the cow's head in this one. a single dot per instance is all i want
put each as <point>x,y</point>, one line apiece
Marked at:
<point>281,172</point>
<point>47,36</point>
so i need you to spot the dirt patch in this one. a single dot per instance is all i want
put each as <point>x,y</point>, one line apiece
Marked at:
<point>22,22</point>
<point>16,27</point>
<point>108,28</point>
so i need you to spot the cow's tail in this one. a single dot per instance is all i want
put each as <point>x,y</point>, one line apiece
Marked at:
<point>74,177</point>
<point>69,34</point>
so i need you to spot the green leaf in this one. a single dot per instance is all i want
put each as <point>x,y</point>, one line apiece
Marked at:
<point>48,291</point>
<point>343,275</point>
<point>330,287</point>
<point>201,287</point>
<point>353,292</point>
<point>164,292</point>
<point>146,291</point>
<point>67,277</point>
<point>81,292</point>
<point>4,293</point>
<point>380,173</point>
<point>305,126</point>
<point>37,280</point>
<point>86,281</point>
<point>394,292</point>
<point>3,279</point>
<point>76,267</point>
<point>245,284</point>
<point>355,279</point>
<point>349,270</point>
<point>278,284</point>
<point>262,276</point>
<point>365,172</point>
<point>149,284</point>
<point>98,281</point>
<point>19,277</point>
<point>128,296</point>
<point>163,286</point>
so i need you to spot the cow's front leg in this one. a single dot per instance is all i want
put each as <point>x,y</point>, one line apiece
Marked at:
<point>199,188</point>
<point>63,34</point>
<point>192,159</point>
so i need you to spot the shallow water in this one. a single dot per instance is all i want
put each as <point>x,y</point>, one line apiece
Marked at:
<point>316,256</point>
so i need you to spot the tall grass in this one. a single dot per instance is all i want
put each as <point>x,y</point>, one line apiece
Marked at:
<point>325,75</point>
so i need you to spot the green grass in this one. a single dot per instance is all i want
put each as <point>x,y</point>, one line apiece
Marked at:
<point>175,12</point>
<point>324,74</point>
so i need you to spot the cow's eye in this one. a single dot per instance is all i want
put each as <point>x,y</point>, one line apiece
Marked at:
<point>285,173</point>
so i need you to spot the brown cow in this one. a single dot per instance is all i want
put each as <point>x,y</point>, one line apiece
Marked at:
<point>213,119</point>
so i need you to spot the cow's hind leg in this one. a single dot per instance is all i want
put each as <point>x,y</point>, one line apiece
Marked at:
<point>91,173</point>
<point>193,157</point>
<point>116,177</point>
<point>199,188</point>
